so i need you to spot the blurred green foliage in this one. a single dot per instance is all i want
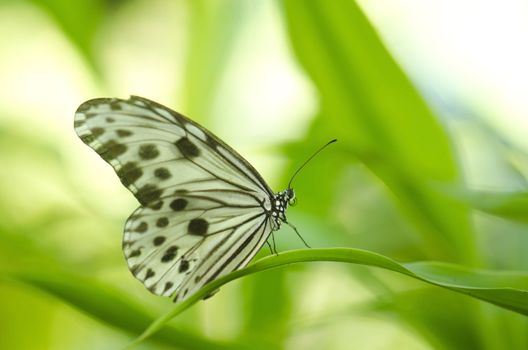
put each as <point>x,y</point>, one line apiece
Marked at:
<point>393,185</point>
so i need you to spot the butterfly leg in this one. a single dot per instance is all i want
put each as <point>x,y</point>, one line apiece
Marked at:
<point>269,246</point>
<point>298,234</point>
<point>274,246</point>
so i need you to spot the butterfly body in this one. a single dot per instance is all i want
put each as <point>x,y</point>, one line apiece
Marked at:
<point>280,203</point>
<point>205,211</point>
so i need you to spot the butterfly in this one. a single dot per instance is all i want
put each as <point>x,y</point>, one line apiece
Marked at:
<point>205,211</point>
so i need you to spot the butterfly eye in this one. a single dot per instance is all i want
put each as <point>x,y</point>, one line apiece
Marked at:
<point>292,201</point>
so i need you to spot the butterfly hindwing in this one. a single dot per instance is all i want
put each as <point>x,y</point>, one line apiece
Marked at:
<point>205,210</point>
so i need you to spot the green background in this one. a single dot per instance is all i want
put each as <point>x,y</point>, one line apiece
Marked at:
<point>274,79</point>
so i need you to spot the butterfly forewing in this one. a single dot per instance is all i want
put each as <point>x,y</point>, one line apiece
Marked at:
<point>205,211</point>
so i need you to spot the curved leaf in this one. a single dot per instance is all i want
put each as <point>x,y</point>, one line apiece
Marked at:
<point>506,289</point>
<point>508,205</point>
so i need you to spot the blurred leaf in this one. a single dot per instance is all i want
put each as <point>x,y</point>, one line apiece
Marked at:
<point>378,116</point>
<point>109,306</point>
<point>445,323</point>
<point>506,289</point>
<point>508,205</point>
<point>264,320</point>
<point>26,141</point>
<point>23,313</point>
<point>79,21</point>
<point>446,316</point>
<point>213,29</point>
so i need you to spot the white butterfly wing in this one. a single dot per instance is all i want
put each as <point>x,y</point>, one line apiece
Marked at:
<point>205,210</point>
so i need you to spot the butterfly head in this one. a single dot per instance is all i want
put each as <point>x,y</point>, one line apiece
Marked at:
<point>290,197</point>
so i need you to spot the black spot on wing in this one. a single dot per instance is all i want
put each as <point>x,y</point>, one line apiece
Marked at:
<point>148,194</point>
<point>168,286</point>
<point>97,131</point>
<point>111,150</point>
<point>129,173</point>
<point>178,204</point>
<point>134,253</point>
<point>142,227</point>
<point>162,173</point>
<point>162,222</point>
<point>170,254</point>
<point>159,240</point>
<point>184,266</point>
<point>150,273</point>
<point>148,151</point>
<point>123,133</point>
<point>198,227</point>
<point>167,257</point>
<point>187,148</point>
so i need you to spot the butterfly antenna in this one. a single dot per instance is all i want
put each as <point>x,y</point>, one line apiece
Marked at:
<point>309,159</point>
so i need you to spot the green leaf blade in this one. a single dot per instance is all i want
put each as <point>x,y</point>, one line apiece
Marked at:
<point>369,104</point>
<point>508,290</point>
